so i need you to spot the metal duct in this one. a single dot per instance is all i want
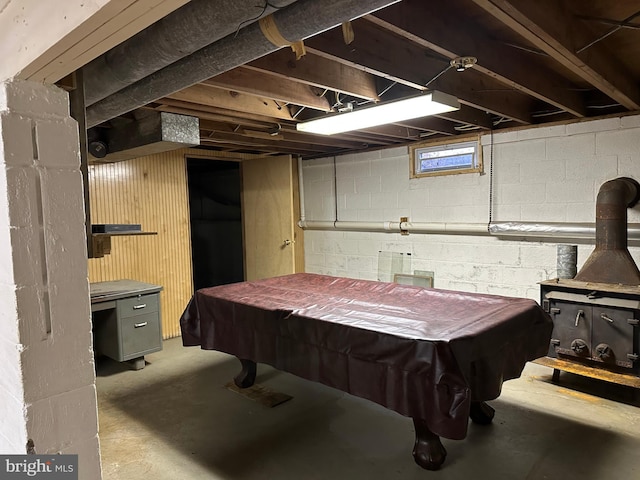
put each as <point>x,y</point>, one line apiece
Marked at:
<point>611,261</point>
<point>566,261</point>
<point>542,229</point>
<point>157,132</point>
<point>297,21</point>
<point>191,27</point>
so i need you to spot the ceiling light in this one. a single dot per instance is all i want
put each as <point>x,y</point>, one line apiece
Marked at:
<point>430,103</point>
<point>462,63</point>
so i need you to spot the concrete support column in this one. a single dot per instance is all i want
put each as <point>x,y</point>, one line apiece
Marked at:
<point>47,385</point>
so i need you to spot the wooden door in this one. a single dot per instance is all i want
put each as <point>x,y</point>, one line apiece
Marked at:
<point>270,211</point>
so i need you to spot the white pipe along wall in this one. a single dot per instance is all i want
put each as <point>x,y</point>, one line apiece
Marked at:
<point>548,232</point>
<point>545,184</point>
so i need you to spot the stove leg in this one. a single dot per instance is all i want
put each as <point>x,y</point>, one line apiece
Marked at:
<point>428,451</point>
<point>481,413</point>
<point>555,378</point>
<point>247,376</point>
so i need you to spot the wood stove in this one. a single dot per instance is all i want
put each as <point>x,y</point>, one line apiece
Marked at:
<point>596,315</point>
<point>594,322</point>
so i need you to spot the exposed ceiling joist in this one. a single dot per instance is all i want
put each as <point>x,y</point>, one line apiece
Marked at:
<point>228,140</point>
<point>549,27</point>
<point>263,141</point>
<point>430,124</point>
<point>449,33</point>
<point>469,116</point>
<point>538,62</point>
<point>232,100</point>
<point>320,72</point>
<point>410,65</point>
<point>213,114</point>
<point>394,131</point>
<point>284,133</point>
<point>262,84</point>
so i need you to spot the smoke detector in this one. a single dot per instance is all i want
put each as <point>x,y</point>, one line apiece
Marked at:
<point>462,63</point>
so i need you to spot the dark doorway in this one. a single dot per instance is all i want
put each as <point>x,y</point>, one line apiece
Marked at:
<point>216,222</point>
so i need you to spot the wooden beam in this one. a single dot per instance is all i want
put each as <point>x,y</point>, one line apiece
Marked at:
<point>430,124</point>
<point>45,41</point>
<point>332,141</point>
<point>240,142</point>
<point>440,28</point>
<point>227,146</point>
<point>394,131</point>
<point>371,139</point>
<point>287,134</point>
<point>240,139</point>
<point>261,84</point>
<point>550,28</point>
<point>469,116</point>
<point>214,97</point>
<point>410,66</point>
<point>216,113</point>
<point>320,72</point>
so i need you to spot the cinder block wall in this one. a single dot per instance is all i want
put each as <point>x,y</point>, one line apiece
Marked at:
<point>47,386</point>
<point>545,174</point>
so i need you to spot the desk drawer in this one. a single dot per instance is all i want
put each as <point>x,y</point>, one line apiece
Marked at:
<point>130,307</point>
<point>140,334</point>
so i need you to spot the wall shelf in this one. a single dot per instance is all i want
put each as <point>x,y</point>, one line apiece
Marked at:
<point>101,242</point>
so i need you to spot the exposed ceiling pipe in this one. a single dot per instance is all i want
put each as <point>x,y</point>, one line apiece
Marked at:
<point>519,230</point>
<point>191,27</point>
<point>297,21</point>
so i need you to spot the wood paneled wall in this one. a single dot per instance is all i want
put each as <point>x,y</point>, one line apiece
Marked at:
<point>153,192</point>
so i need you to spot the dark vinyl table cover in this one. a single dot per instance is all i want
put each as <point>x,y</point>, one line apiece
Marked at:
<point>424,353</point>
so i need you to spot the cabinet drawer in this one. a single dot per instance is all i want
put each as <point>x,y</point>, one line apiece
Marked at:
<point>140,334</point>
<point>129,307</point>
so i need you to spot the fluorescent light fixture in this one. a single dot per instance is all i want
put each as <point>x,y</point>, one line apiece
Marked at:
<point>430,103</point>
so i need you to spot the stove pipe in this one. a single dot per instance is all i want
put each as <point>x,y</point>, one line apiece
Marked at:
<point>611,261</point>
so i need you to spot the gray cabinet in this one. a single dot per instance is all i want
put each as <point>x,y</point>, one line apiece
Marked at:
<point>126,321</point>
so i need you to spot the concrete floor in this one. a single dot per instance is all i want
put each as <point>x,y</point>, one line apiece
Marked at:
<point>175,420</point>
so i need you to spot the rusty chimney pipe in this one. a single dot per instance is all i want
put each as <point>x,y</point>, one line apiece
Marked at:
<point>611,261</point>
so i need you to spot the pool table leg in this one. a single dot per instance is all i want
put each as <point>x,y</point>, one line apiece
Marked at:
<point>247,376</point>
<point>428,451</point>
<point>481,413</point>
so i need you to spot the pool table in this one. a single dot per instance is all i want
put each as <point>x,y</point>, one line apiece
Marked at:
<point>433,355</point>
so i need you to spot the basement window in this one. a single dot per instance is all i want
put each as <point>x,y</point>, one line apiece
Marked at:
<point>431,159</point>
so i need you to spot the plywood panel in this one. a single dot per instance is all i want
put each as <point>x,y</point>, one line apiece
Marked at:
<point>138,16</point>
<point>298,233</point>
<point>268,217</point>
<point>151,191</point>
<point>48,40</point>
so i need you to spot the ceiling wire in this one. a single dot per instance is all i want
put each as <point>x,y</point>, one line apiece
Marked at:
<point>393,84</point>
<point>611,105</point>
<point>547,113</point>
<point>527,49</point>
<point>606,21</point>
<point>250,20</point>
<point>466,128</point>
<point>298,112</point>
<point>447,68</point>
<point>490,181</point>
<point>385,90</point>
<point>610,32</point>
<point>338,101</point>
<point>501,120</point>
